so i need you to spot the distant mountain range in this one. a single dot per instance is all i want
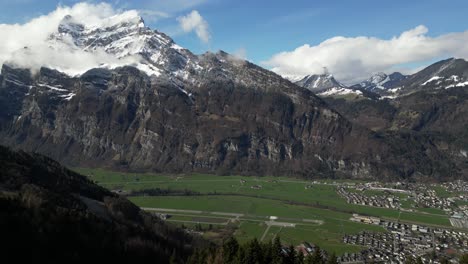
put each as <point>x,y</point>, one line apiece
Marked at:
<point>174,111</point>
<point>444,74</point>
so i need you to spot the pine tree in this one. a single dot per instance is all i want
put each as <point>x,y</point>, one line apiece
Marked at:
<point>253,252</point>
<point>277,256</point>
<point>317,256</point>
<point>241,256</point>
<point>300,258</point>
<point>267,249</point>
<point>230,248</point>
<point>291,257</point>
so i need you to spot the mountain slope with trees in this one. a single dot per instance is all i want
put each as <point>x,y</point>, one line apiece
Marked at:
<point>49,214</point>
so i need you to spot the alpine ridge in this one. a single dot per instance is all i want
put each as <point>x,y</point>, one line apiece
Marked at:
<point>431,104</point>
<point>381,82</point>
<point>173,111</point>
<point>325,85</point>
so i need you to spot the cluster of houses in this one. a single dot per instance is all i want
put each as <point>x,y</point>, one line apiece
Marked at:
<point>429,198</point>
<point>385,201</point>
<point>403,240</point>
<point>307,248</point>
<point>422,194</point>
<point>352,258</point>
<point>458,186</point>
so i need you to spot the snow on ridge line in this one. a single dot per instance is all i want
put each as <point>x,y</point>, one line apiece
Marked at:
<point>340,91</point>
<point>177,47</point>
<point>294,78</point>
<point>435,78</point>
<point>463,84</point>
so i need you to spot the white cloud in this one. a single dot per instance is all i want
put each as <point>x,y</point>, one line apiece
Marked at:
<point>28,45</point>
<point>152,15</point>
<point>195,22</point>
<point>356,58</point>
<point>240,53</point>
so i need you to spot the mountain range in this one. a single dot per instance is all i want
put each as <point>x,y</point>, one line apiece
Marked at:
<point>444,74</point>
<point>163,108</point>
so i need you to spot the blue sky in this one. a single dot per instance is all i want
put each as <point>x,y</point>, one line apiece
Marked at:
<point>264,28</point>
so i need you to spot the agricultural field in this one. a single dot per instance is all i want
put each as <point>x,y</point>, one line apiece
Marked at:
<point>319,215</point>
<point>320,226</point>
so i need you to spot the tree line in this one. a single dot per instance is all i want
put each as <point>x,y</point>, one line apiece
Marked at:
<point>255,252</point>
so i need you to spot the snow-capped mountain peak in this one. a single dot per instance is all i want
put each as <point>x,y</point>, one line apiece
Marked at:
<point>326,85</point>
<point>380,82</point>
<point>77,46</point>
<point>128,41</point>
<point>319,82</point>
<point>377,79</point>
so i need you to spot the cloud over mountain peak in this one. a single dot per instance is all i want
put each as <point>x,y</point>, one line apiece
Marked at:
<point>351,59</point>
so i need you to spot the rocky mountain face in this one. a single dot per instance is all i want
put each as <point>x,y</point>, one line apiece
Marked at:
<point>380,82</point>
<point>174,111</point>
<point>319,82</point>
<point>124,118</point>
<point>326,85</point>
<point>446,74</point>
<point>50,214</point>
<point>432,104</point>
<point>128,39</point>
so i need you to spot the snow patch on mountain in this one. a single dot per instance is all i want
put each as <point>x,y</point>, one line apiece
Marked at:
<point>336,91</point>
<point>54,88</point>
<point>434,78</point>
<point>462,84</point>
<point>440,82</point>
<point>68,97</point>
<point>16,82</point>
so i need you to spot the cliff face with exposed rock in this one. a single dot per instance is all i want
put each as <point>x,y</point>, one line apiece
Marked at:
<point>174,111</point>
<point>124,119</point>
